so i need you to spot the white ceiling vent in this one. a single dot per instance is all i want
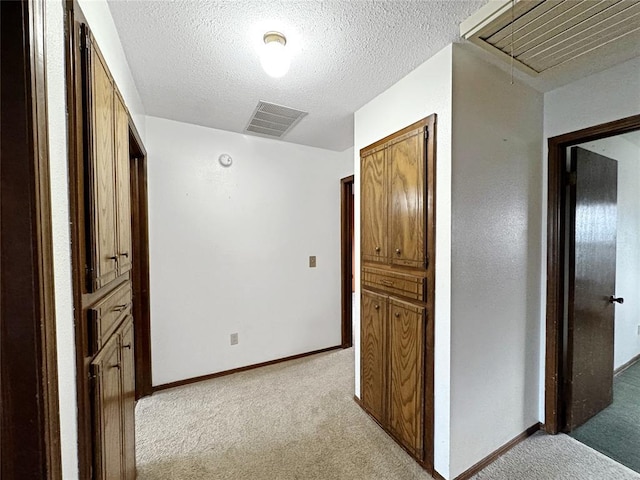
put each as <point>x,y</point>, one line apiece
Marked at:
<point>542,34</point>
<point>271,120</point>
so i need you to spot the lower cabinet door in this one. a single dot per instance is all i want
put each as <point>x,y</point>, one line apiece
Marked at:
<point>406,374</point>
<point>128,400</point>
<point>107,397</point>
<point>373,363</point>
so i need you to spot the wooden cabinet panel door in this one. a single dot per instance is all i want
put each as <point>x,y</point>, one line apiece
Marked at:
<point>406,159</point>
<point>406,347</point>
<point>108,411</point>
<point>374,207</point>
<point>123,187</point>
<point>128,400</point>
<point>373,323</point>
<point>102,209</point>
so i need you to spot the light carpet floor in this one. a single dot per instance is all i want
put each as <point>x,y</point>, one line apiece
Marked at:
<point>298,420</point>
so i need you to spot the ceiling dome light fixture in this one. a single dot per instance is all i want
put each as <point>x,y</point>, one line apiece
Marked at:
<point>274,58</point>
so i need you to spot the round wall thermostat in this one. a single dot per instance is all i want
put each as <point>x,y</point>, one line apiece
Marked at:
<point>225,160</point>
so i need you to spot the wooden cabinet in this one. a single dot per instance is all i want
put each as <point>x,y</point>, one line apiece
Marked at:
<point>110,198</point>
<point>373,326</point>
<point>102,211</point>
<point>113,371</point>
<point>373,192</point>
<point>123,187</point>
<point>106,299</point>
<point>406,371</point>
<point>396,337</point>
<point>393,189</point>
<point>406,197</point>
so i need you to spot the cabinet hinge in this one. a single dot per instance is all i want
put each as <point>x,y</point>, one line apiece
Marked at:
<point>426,134</point>
<point>572,178</point>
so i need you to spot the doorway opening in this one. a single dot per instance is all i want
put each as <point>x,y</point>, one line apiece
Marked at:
<point>593,205</point>
<point>347,252</point>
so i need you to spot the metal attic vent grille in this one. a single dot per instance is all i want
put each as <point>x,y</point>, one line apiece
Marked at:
<point>548,33</point>
<point>273,120</point>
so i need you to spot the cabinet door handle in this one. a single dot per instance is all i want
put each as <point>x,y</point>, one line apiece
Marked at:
<point>119,308</point>
<point>377,249</point>
<point>125,254</point>
<point>386,282</point>
<point>128,345</point>
<point>398,251</point>
<point>397,314</point>
<point>377,307</point>
<point>114,258</point>
<point>117,365</point>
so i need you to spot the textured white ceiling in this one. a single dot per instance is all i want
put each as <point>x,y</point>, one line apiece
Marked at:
<point>197,61</point>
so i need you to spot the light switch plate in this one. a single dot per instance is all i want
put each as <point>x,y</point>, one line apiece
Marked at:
<point>234,339</point>
<point>312,261</point>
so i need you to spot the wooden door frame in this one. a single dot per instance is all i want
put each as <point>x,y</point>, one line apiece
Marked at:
<point>556,225</point>
<point>29,403</point>
<point>347,227</point>
<point>140,268</point>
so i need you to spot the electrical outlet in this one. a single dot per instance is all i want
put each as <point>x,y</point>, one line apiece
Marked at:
<point>638,329</point>
<point>312,261</point>
<point>234,339</point>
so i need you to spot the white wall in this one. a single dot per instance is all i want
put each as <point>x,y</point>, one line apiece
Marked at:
<point>495,255</point>
<point>604,97</point>
<point>424,91</point>
<point>65,333</point>
<point>627,320</point>
<point>229,249</point>
<point>104,30</point>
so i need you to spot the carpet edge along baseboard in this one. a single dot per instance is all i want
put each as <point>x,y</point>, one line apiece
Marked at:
<point>489,459</point>
<point>202,378</point>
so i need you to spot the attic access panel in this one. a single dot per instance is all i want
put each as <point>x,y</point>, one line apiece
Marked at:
<point>274,121</point>
<point>542,34</point>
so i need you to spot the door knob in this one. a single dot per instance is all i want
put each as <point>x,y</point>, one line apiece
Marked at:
<point>396,314</point>
<point>377,307</point>
<point>398,251</point>
<point>614,299</point>
<point>377,249</point>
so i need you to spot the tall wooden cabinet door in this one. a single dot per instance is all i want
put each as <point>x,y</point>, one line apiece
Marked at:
<point>406,357</point>
<point>123,187</point>
<point>373,206</point>
<point>107,396</point>
<point>373,325</point>
<point>406,159</point>
<point>128,400</point>
<point>102,209</point>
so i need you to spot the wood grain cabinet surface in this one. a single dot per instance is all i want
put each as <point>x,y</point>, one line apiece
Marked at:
<point>107,296</point>
<point>109,206</point>
<point>373,327</point>
<point>114,404</point>
<point>397,243</point>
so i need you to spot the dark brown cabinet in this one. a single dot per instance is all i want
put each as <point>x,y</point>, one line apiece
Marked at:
<point>396,333</point>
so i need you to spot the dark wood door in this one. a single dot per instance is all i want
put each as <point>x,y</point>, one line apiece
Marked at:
<point>107,396</point>
<point>592,275</point>
<point>374,206</point>
<point>128,400</point>
<point>406,353</point>
<point>102,210</point>
<point>373,364</point>
<point>406,163</point>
